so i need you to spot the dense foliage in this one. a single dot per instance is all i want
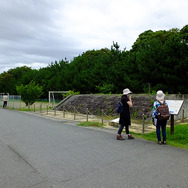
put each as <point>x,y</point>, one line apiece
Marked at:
<point>30,92</point>
<point>157,60</point>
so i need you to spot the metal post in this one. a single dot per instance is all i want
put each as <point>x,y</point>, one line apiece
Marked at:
<point>47,109</point>
<point>143,123</point>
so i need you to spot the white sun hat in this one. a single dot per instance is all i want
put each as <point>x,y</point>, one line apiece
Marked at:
<point>160,95</point>
<point>126,91</point>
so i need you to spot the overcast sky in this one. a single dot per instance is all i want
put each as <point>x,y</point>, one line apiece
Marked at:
<point>37,32</point>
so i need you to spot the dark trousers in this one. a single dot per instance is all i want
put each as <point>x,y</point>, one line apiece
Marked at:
<point>121,129</point>
<point>161,125</point>
<point>5,104</point>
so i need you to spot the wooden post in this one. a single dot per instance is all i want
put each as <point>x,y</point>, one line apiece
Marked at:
<point>54,111</point>
<point>40,107</point>
<point>74,113</point>
<point>34,108</point>
<point>172,124</point>
<point>13,101</point>
<point>20,104</point>
<point>87,114</point>
<point>102,116</point>
<point>63,111</point>
<point>143,123</point>
<point>182,119</point>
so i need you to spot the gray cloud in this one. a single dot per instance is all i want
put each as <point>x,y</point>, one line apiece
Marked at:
<point>36,33</point>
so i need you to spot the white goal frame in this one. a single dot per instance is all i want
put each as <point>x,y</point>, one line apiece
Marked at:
<point>53,99</point>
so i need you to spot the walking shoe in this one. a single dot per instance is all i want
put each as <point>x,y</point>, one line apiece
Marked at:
<point>159,142</point>
<point>130,136</point>
<point>164,142</point>
<point>119,137</point>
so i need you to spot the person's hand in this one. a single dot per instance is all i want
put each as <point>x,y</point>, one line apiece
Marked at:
<point>130,101</point>
<point>129,97</point>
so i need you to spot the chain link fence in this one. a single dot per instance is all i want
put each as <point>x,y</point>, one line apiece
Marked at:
<point>13,101</point>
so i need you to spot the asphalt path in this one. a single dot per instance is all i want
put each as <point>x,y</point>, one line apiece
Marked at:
<point>39,152</point>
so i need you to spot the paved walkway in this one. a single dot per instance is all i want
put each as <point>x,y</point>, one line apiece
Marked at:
<point>37,152</point>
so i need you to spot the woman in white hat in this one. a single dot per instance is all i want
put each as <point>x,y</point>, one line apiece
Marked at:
<point>125,120</point>
<point>5,98</point>
<point>160,124</point>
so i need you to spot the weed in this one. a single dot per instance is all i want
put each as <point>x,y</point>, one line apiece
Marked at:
<point>90,124</point>
<point>153,92</point>
<point>99,111</point>
<point>135,114</point>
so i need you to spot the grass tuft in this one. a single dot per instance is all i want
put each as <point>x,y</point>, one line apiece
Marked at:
<point>90,124</point>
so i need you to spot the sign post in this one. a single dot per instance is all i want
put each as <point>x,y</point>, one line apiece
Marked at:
<point>172,124</point>
<point>174,108</point>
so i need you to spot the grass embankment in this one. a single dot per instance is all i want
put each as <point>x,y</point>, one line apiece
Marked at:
<point>178,139</point>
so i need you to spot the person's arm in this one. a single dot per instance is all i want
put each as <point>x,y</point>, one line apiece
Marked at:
<point>154,114</point>
<point>154,110</point>
<point>130,101</point>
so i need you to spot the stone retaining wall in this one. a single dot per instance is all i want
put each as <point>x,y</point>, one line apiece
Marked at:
<point>95,103</point>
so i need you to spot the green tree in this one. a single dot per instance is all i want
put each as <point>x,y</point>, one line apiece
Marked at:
<point>184,33</point>
<point>16,76</point>
<point>161,60</point>
<point>54,77</point>
<point>89,70</point>
<point>29,93</point>
<point>157,60</point>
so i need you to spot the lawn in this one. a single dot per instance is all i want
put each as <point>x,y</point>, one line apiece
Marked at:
<point>178,139</point>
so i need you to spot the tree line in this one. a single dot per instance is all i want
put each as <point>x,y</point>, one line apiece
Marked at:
<point>157,60</point>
